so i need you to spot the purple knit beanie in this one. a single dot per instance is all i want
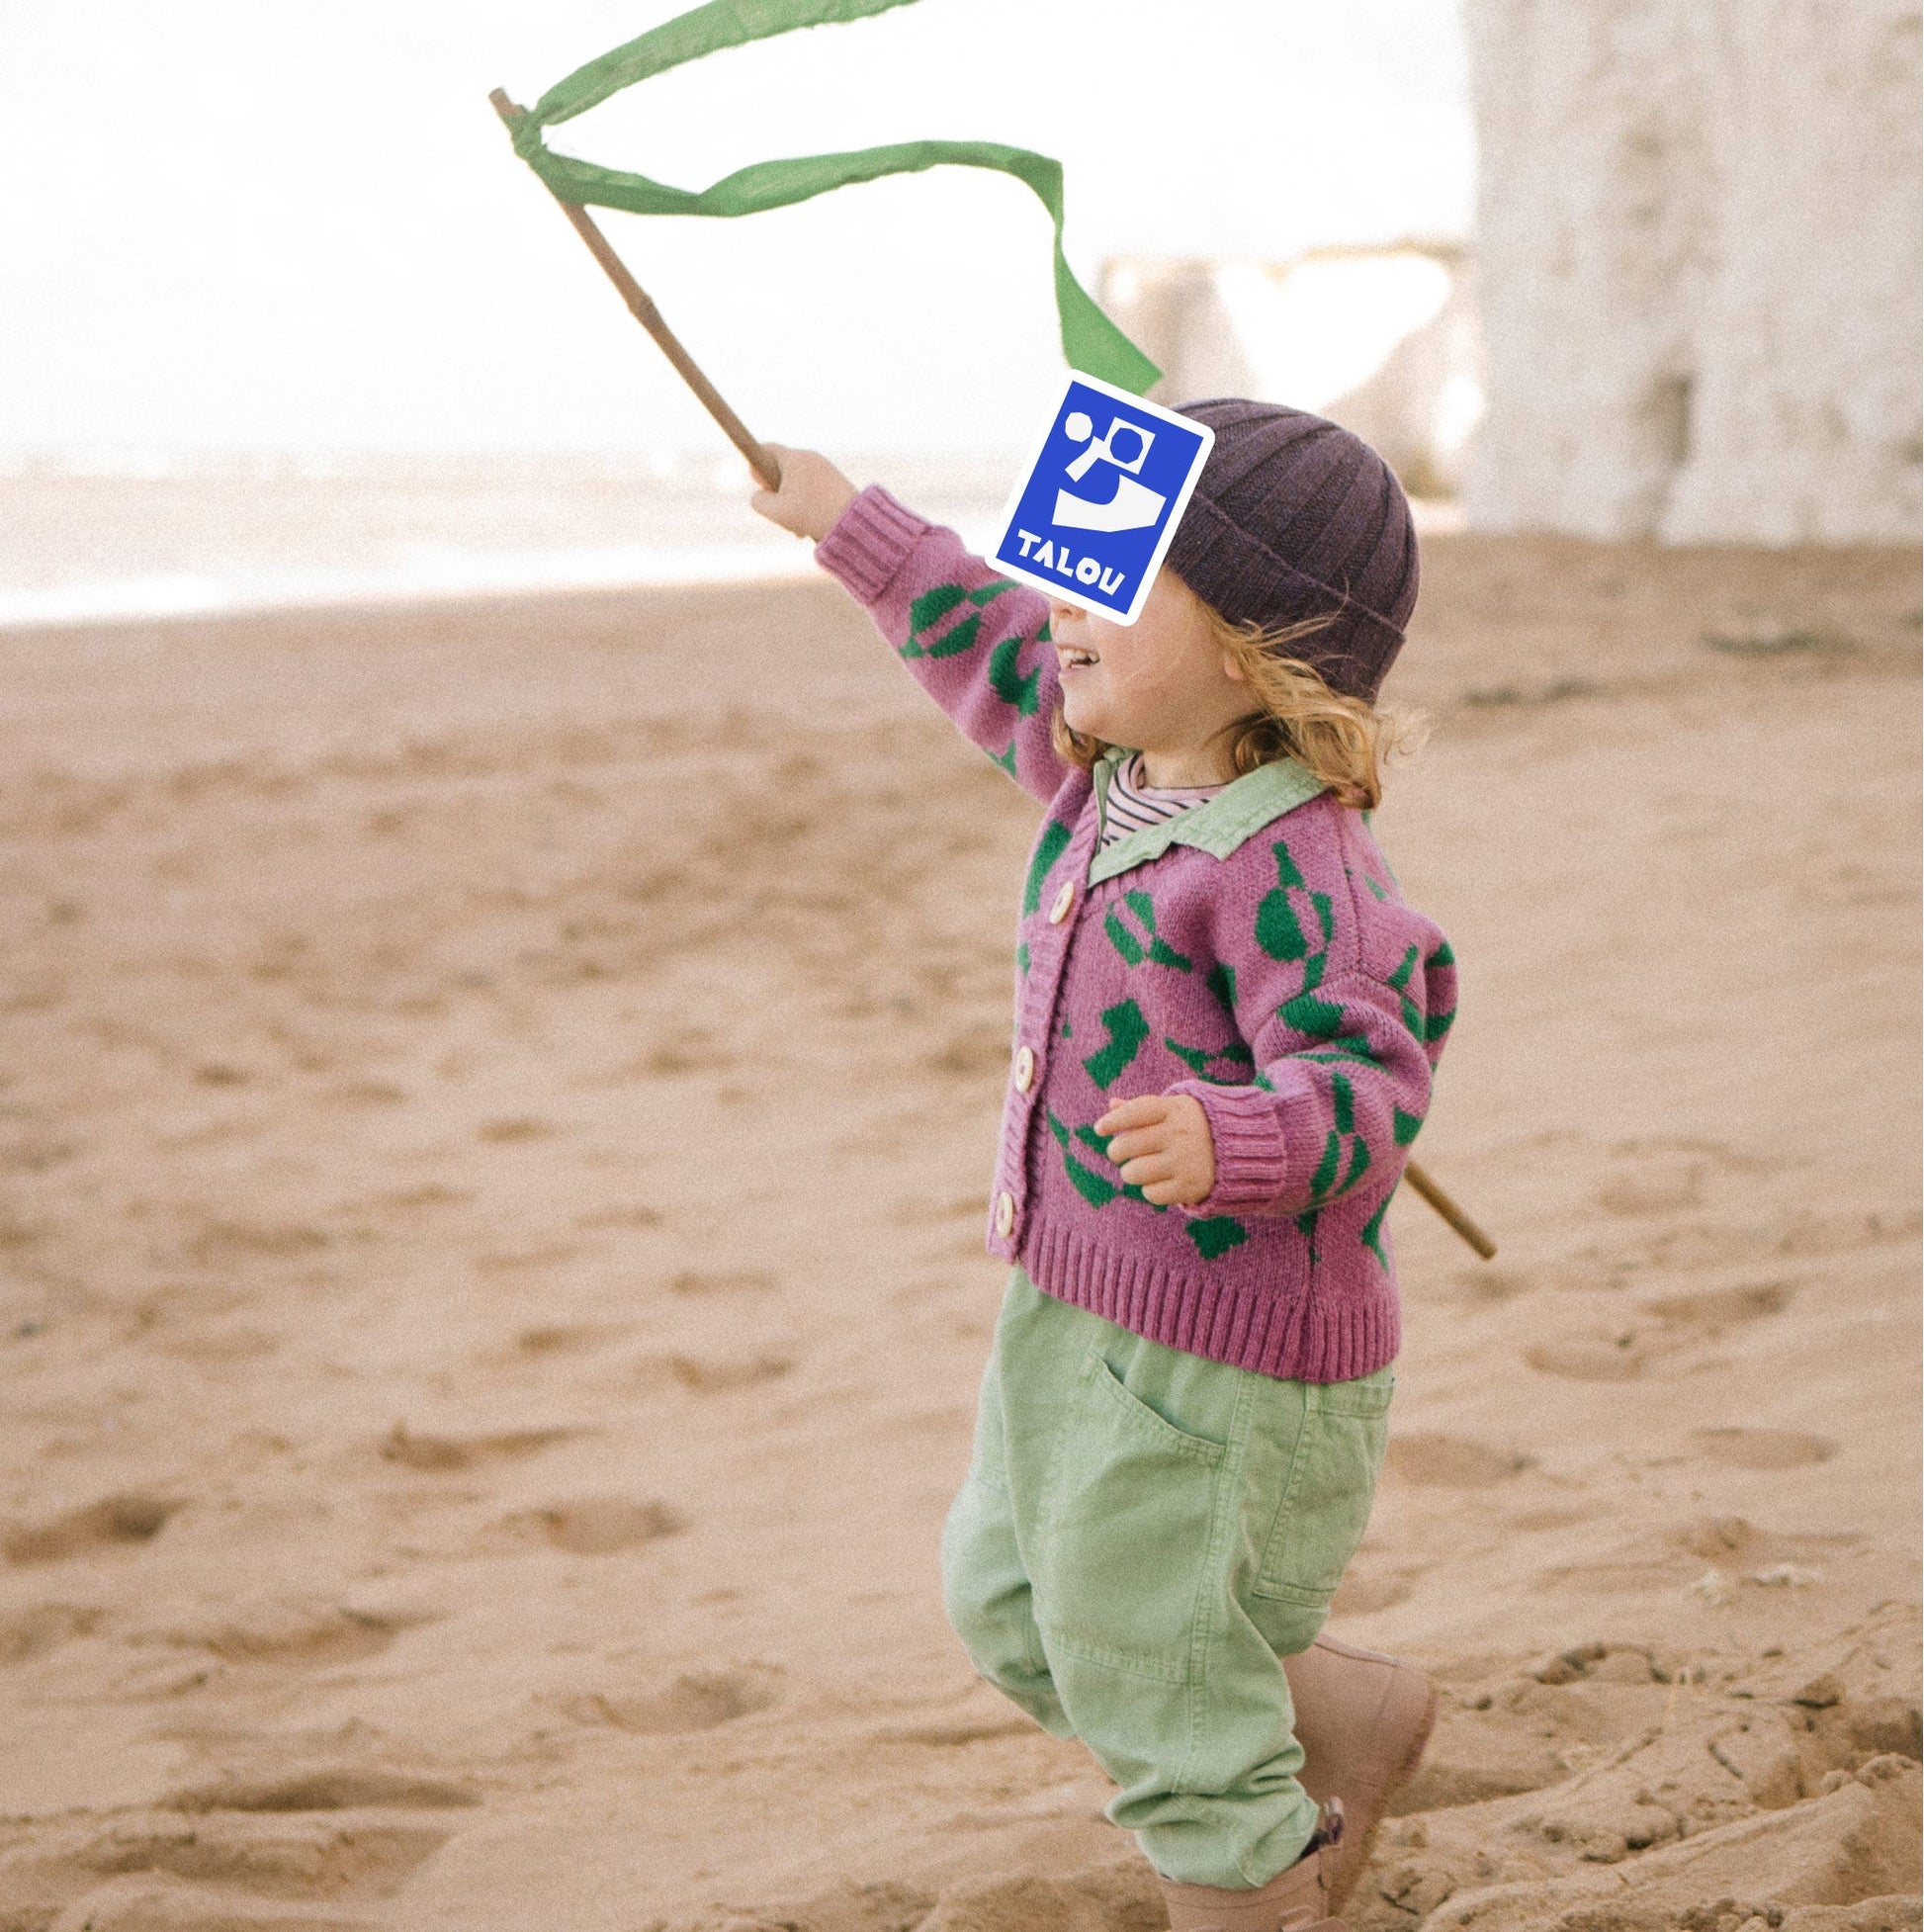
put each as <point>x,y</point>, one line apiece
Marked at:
<point>1295,517</point>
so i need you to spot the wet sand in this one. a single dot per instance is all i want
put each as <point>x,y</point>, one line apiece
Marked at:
<point>495,1117</point>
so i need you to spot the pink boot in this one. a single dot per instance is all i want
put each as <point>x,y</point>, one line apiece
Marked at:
<point>1296,1901</point>
<point>1362,1720</point>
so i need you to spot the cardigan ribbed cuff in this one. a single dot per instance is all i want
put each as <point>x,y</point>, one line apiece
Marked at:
<point>1251,1164</point>
<point>870,542</point>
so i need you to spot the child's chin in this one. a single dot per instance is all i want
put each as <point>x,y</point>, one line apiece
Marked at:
<point>1085,720</point>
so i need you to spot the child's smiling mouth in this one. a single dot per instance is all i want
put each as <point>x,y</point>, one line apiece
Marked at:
<point>1072,657</point>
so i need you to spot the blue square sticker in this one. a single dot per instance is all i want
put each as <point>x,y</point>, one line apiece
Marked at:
<point>1094,514</point>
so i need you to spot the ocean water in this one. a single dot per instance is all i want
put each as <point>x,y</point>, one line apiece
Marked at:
<point>101,541</point>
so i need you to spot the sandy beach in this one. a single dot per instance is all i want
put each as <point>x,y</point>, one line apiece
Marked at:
<point>496,1111</point>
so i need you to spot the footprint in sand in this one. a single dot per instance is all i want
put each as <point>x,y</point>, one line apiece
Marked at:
<point>194,1323</point>
<point>366,1093</point>
<point>685,1053</point>
<point>1843,1234</point>
<point>115,1523</point>
<point>444,1453</point>
<point>272,1854</point>
<point>1365,1589</point>
<point>958,1732</point>
<point>233,1244</point>
<point>1636,1197</point>
<point>1714,1311</point>
<point>432,1195</point>
<point>1763,1449</point>
<point>1617,1358</point>
<point>1489,1284</point>
<point>561,1339</point>
<point>739,1281</point>
<point>518,1127</point>
<point>1667,1176</point>
<point>32,1633</point>
<point>716,1377</point>
<point>1731,1543</point>
<point>621,1217</point>
<point>315,1636</point>
<point>1450,1462</point>
<point>326,1787</point>
<point>1701,1315</point>
<point>696,1701</point>
<point>596,1526</point>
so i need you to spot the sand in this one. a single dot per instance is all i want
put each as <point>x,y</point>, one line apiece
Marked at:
<point>495,1116</point>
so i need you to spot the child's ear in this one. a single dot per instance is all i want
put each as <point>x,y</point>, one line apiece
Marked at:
<point>1233,670</point>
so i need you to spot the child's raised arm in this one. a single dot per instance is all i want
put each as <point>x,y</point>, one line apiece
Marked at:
<point>976,641</point>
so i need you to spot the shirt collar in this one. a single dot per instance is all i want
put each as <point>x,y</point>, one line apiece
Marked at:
<point>1218,827</point>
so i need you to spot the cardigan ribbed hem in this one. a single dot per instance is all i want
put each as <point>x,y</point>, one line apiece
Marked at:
<point>1293,1334</point>
<point>1251,1162</point>
<point>870,542</point>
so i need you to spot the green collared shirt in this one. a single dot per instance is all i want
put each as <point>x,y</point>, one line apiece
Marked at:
<point>1218,826</point>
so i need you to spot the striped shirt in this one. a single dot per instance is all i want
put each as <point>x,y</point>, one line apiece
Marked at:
<point>1132,804</point>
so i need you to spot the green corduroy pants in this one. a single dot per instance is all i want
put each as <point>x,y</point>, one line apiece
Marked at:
<point>1142,1537</point>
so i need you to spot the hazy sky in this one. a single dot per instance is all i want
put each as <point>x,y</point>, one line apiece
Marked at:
<point>225,225</point>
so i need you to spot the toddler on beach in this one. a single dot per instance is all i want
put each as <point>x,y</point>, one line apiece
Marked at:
<point>1226,1023</point>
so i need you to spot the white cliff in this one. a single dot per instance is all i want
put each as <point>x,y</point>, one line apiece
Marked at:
<point>1699,251</point>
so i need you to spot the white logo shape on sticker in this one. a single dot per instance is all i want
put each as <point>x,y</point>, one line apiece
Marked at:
<point>1134,507</point>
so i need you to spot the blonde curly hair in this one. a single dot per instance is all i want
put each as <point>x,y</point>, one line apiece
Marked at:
<point>1341,740</point>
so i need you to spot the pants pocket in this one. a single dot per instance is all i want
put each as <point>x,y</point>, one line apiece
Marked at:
<point>1129,1526</point>
<point>1324,1505</point>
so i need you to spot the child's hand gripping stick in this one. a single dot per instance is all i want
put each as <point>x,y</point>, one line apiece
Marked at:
<point>811,497</point>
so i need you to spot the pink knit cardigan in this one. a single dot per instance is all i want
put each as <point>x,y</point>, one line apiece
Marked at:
<point>1253,951</point>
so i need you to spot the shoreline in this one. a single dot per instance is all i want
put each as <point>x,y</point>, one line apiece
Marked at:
<point>113,603</point>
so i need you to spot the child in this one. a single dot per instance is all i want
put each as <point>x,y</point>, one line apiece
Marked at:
<point>1226,1020</point>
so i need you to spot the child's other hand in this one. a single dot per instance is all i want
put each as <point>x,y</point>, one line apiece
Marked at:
<point>1160,1144</point>
<point>813,496</point>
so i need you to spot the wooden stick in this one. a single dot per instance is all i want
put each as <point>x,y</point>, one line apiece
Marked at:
<point>645,312</point>
<point>1448,1209</point>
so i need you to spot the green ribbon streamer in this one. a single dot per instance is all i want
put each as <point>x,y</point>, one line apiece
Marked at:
<point>1089,340</point>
